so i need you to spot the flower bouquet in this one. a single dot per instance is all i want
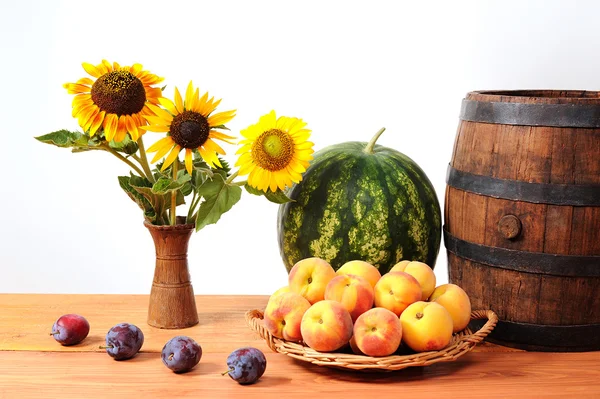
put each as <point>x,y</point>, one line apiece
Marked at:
<point>119,104</point>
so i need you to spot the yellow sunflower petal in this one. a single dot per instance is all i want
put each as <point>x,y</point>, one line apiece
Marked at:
<point>97,123</point>
<point>161,113</point>
<point>74,88</point>
<point>116,66</point>
<point>212,146</point>
<point>221,118</point>
<point>156,128</point>
<point>155,120</point>
<point>193,104</point>
<point>132,128</point>
<point>79,109</point>
<point>168,104</point>
<point>85,81</point>
<point>189,95</point>
<point>81,98</point>
<point>111,121</point>
<point>245,169</point>
<point>162,151</point>
<point>92,70</point>
<point>178,101</point>
<point>188,160</point>
<point>164,142</point>
<point>171,158</point>
<point>201,105</point>
<point>135,69</point>
<point>84,116</point>
<point>272,182</point>
<point>222,136</point>
<point>90,119</point>
<point>108,66</point>
<point>121,130</point>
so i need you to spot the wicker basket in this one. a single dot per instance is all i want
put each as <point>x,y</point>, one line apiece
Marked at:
<point>462,342</point>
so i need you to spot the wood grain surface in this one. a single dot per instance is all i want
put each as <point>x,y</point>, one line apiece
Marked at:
<point>33,365</point>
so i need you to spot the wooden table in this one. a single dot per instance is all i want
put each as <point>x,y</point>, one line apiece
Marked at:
<point>32,364</point>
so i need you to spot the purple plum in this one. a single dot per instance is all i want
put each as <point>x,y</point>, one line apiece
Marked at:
<point>123,341</point>
<point>246,365</point>
<point>70,329</point>
<point>181,354</point>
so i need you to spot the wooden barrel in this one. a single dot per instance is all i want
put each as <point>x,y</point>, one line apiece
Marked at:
<point>522,215</point>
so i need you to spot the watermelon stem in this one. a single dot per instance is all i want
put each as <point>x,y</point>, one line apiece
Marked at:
<point>369,148</point>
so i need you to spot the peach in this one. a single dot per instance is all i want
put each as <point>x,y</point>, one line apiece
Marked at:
<point>396,290</point>
<point>309,278</point>
<point>283,315</point>
<point>421,272</point>
<point>426,326</point>
<point>326,326</point>
<point>353,292</point>
<point>378,332</point>
<point>457,303</point>
<point>353,346</point>
<point>362,269</point>
<point>280,291</point>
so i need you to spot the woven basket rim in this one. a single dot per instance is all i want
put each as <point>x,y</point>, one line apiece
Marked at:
<point>462,343</point>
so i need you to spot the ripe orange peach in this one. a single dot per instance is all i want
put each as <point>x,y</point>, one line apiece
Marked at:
<point>421,272</point>
<point>426,326</point>
<point>353,292</point>
<point>362,269</point>
<point>378,332</point>
<point>283,316</point>
<point>396,290</point>
<point>309,278</point>
<point>456,301</point>
<point>326,326</point>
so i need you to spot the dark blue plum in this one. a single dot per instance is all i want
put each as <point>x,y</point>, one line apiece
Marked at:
<point>181,354</point>
<point>246,365</point>
<point>123,341</point>
<point>70,329</point>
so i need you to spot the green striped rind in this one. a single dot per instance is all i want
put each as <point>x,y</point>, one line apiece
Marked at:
<point>380,208</point>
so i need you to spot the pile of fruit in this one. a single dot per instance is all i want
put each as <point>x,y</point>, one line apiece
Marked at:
<point>180,354</point>
<point>374,315</point>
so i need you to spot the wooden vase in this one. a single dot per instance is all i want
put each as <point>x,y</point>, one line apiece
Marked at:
<point>172,303</point>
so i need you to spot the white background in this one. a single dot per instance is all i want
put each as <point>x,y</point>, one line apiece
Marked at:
<point>346,67</point>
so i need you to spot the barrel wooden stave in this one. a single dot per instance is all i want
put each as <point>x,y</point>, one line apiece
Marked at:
<point>532,154</point>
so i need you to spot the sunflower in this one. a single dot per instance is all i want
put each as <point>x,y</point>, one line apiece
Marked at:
<point>274,152</point>
<point>116,100</point>
<point>189,124</point>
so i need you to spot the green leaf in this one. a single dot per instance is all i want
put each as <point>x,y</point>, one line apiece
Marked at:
<point>65,139</point>
<point>126,146</point>
<point>224,166</point>
<point>166,185</point>
<point>141,200</point>
<point>253,191</point>
<point>219,197</point>
<point>143,187</point>
<point>277,197</point>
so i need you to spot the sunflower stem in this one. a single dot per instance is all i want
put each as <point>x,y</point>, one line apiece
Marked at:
<point>127,161</point>
<point>144,160</point>
<point>240,183</point>
<point>233,176</point>
<point>192,206</point>
<point>174,196</point>
<point>369,148</point>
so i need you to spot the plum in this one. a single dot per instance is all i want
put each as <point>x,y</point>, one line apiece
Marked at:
<point>70,329</point>
<point>123,341</point>
<point>246,365</point>
<point>181,354</point>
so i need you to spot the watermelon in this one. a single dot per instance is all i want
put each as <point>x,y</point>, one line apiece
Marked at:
<point>361,201</point>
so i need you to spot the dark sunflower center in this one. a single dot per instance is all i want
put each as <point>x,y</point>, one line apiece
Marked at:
<point>273,150</point>
<point>189,129</point>
<point>119,92</point>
